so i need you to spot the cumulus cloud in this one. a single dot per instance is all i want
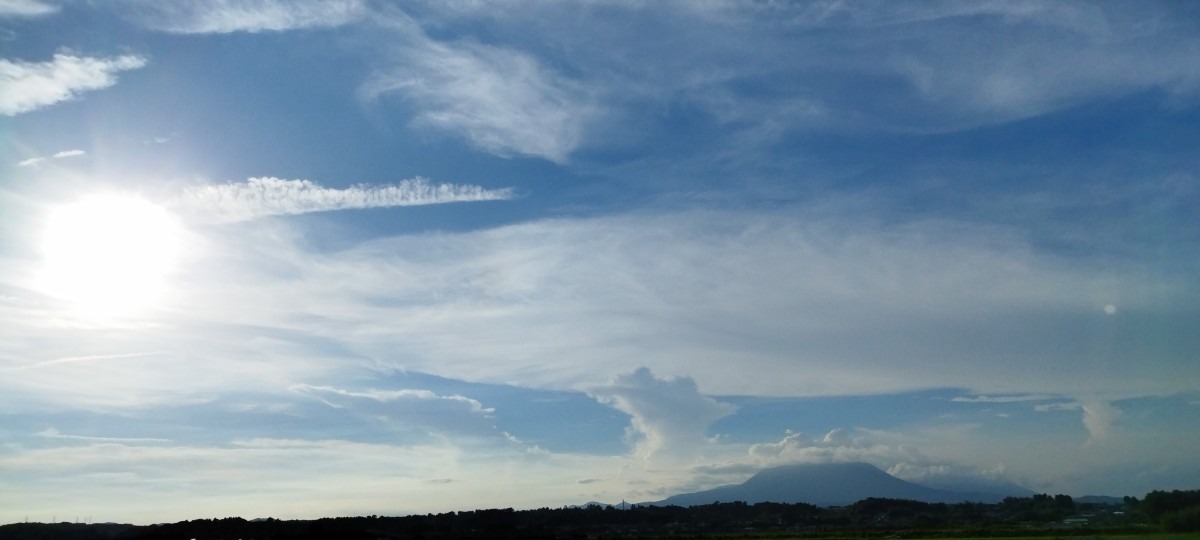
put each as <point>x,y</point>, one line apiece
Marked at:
<point>225,16</point>
<point>27,86</point>
<point>961,478</point>
<point>26,8</point>
<point>268,196</point>
<point>836,446</point>
<point>1099,417</point>
<point>900,460</point>
<point>502,100</point>
<point>669,415</point>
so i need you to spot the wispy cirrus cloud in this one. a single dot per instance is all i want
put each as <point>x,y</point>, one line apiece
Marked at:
<point>1014,398</point>
<point>87,358</point>
<point>26,8</point>
<point>500,99</point>
<point>27,86</point>
<point>384,396</point>
<point>226,16</point>
<point>37,161</point>
<point>269,196</point>
<point>941,65</point>
<point>408,409</point>
<point>51,433</point>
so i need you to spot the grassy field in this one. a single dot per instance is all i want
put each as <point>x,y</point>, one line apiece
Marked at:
<point>1089,536</point>
<point>1101,536</point>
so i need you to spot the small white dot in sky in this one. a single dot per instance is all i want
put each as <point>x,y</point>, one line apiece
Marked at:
<point>1110,309</point>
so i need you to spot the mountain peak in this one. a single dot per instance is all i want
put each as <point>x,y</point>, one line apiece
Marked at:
<point>822,484</point>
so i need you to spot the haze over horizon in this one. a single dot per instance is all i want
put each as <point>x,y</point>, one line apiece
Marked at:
<point>312,258</point>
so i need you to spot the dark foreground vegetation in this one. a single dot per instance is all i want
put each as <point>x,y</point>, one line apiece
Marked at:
<point>1047,516</point>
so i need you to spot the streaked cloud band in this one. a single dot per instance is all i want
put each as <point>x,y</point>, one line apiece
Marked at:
<point>226,16</point>
<point>269,196</point>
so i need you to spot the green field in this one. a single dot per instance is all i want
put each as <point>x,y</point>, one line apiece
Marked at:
<point>1089,536</point>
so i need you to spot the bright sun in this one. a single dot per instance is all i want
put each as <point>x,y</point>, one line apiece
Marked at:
<point>109,255</point>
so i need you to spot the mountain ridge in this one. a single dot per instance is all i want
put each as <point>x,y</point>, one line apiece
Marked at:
<point>826,484</point>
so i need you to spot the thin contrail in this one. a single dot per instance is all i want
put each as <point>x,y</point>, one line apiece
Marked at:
<point>88,358</point>
<point>51,433</point>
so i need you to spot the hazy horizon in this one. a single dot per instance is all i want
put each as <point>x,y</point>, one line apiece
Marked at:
<point>349,257</point>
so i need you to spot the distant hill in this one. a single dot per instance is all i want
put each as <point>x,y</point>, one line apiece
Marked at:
<point>619,506</point>
<point>1100,499</point>
<point>828,484</point>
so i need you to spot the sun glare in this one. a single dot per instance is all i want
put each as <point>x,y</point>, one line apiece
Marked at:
<point>109,255</point>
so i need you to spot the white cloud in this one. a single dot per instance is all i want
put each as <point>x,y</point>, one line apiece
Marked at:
<point>900,460</point>
<point>38,161</point>
<point>410,410</point>
<point>837,446</point>
<point>225,16</point>
<point>384,396</point>
<point>267,196</point>
<point>290,478</point>
<point>27,86</point>
<point>1099,417</point>
<point>338,477</point>
<point>26,8</point>
<point>51,433</point>
<point>669,415</point>
<point>1046,407</point>
<point>942,65</point>
<point>799,302</point>
<point>1013,60</point>
<point>502,100</point>
<point>1005,399</point>
<point>958,477</point>
<point>800,305</point>
<point>159,139</point>
<point>789,303</point>
<point>86,358</point>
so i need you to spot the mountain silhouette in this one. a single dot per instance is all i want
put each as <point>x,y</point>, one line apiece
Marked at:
<point>827,484</point>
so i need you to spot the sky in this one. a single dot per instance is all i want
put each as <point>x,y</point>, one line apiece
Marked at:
<point>313,258</point>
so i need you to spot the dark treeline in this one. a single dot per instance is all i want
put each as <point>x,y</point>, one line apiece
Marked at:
<point>1057,515</point>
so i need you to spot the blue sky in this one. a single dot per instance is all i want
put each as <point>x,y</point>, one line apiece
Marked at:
<point>298,259</point>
